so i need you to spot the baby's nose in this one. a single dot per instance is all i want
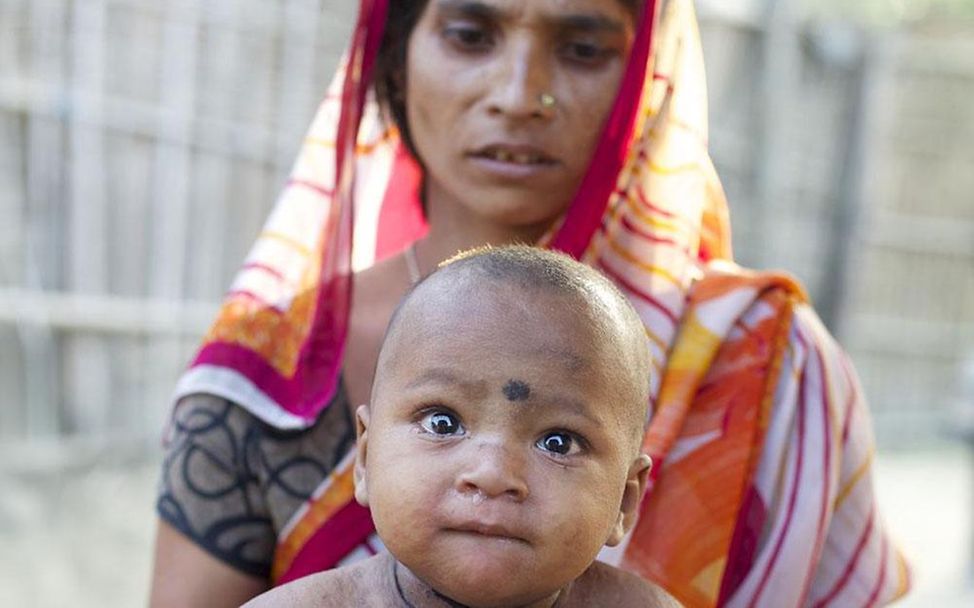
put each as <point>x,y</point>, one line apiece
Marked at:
<point>494,471</point>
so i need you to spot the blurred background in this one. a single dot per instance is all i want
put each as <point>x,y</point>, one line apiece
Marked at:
<point>142,144</point>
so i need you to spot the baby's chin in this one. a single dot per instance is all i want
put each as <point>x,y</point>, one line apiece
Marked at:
<point>502,594</point>
<point>490,577</point>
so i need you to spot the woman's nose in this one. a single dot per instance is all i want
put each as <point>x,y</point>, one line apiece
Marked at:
<point>494,470</point>
<point>523,75</point>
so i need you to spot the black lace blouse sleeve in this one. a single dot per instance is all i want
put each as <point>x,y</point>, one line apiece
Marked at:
<point>230,482</point>
<point>210,487</point>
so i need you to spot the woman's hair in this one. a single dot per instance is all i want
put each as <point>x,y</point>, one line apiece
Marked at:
<point>390,65</point>
<point>389,77</point>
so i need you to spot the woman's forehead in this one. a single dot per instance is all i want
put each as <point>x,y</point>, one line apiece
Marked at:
<point>555,10</point>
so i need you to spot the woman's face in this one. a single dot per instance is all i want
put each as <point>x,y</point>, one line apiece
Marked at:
<point>477,74</point>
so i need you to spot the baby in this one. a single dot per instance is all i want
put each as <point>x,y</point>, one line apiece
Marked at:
<point>501,448</point>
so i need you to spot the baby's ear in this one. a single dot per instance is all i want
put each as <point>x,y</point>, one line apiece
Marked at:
<point>361,453</point>
<point>632,497</point>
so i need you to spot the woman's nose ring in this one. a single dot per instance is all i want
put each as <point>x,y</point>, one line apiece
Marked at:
<point>547,100</point>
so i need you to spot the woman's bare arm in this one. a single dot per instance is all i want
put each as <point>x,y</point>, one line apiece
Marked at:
<point>186,576</point>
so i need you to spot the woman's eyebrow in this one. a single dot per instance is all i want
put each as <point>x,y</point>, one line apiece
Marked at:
<point>578,22</point>
<point>589,23</point>
<point>470,8</point>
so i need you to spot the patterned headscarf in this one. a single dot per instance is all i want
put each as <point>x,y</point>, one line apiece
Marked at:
<point>760,492</point>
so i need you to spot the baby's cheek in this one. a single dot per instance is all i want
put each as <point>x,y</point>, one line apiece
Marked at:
<point>400,518</point>
<point>588,518</point>
<point>606,504</point>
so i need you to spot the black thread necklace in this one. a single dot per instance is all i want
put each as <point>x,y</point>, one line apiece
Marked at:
<point>395,577</point>
<point>402,594</point>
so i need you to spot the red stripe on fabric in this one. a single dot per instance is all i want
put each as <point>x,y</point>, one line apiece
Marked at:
<point>658,465</point>
<point>274,272</point>
<point>585,214</point>
<point>792,500</point>
<point>882,574</point>
<point>749,332</point>
<point>851,566</point>
<point>847,419</point>
<point>637,231</point>
<point>310,186</point>
<point>320,356</point>
<point>826,467</point>
<point>744,544</point>
<point>330,543</point>
<point>243,293</point>
<point>652,206</point>
<point>850,406</point>
<point>636,292</point>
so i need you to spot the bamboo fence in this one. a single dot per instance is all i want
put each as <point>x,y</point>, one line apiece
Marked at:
<point>142,144</point>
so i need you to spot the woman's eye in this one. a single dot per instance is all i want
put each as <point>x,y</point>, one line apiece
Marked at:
<point>586,52</point>
<point>558,443</point>
<point>441,423</point>
<point>468,37</point>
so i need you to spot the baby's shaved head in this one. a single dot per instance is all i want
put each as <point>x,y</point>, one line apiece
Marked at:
<point>513,278</point>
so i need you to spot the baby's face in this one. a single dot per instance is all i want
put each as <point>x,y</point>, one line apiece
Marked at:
<point>497,450</point>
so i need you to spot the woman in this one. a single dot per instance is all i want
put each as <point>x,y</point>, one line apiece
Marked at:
<point>579,125</point>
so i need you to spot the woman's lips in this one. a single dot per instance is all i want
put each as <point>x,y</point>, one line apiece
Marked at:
<point>512,162</point>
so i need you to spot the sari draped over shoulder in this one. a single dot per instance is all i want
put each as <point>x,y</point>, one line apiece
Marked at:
<point>761,492</point>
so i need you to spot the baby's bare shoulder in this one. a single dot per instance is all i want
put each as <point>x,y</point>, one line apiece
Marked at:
<point>361,584</point>
<point>604,585</point>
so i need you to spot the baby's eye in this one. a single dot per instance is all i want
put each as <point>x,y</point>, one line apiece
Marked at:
<point>441,423</point>
<point>559,442</point>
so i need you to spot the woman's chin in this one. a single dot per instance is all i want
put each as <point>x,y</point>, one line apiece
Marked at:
<point>520,209</point>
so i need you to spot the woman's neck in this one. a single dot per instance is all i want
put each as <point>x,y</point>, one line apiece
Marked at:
<point>453,227</point>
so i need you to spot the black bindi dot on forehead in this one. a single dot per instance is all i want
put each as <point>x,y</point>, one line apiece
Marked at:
<point>517,390</point>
